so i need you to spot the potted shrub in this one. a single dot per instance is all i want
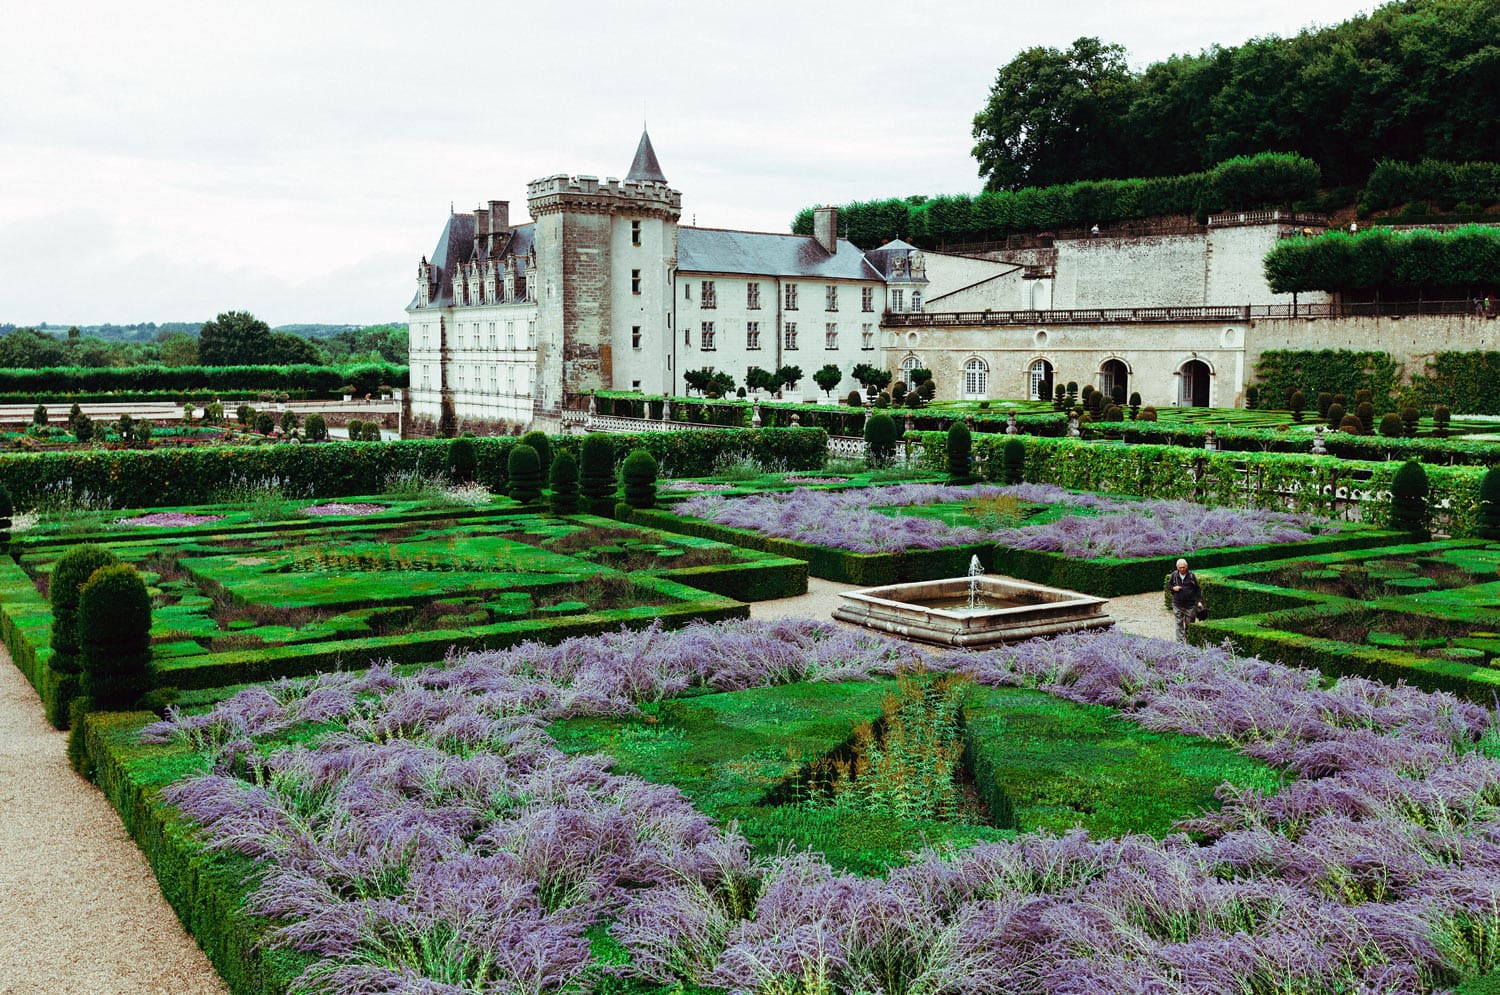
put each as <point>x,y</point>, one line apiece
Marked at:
<point>348,391</point>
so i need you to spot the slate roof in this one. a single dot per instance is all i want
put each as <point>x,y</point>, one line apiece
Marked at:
<point>882,257</point>
<point>455,247</point>
<point>717,250</point>
<point>644,166</point>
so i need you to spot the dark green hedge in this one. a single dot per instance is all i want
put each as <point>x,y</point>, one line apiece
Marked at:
<point>1373,448</point>
<point>181,476</point>
<point>366,378</point>
<point>1447,185</point>
<point>1279,372</point>
<point>1379,259</point>
<point>1270,179</point>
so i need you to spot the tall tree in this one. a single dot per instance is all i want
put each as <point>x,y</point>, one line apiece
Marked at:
<point>234,338</point>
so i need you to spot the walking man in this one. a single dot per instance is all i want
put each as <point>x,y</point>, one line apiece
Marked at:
<point>1186,595</point>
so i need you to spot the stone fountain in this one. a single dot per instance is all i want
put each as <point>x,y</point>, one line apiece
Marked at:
<point>972,611</point>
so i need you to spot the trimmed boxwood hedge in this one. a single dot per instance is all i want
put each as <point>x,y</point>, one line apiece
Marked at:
<point>162,477</point>
<point>366,378</point>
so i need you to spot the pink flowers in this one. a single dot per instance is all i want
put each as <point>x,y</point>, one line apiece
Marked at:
<point>168,520</point>
<point>335,508</point>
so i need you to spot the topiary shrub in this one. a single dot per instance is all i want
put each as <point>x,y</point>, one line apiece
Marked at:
<point>1336,414</point>
<point>371,432</point>
<point>1252,396</point>
<point>1364,396</point>
<point>882,400</point>
<point>1135,405</point>
<point>1117,394</point>
<point>524,472</point>
<point>83,428</point>
<point>39,415</point>
<point>1409,499</point>
<point>1365,411</point>
<point>1298,404</point>
<point>880,438</point>
<point>288,422</point>
<point>1352,425</point>
<point>1411,415</point>
<point>1440,418</point>
<point>1489,504</point>
<point>639,471</point>
<point>1013,461</point>
<point>1148,413</point>
<point>74,413</point>
<point>71,571</point>
<point>356,429</point>
<point>7,509</point>
<point>596,474</point>
<point>898,392</point>
<point>244,414</point>
<point>1113,413</point>
<point>114,637</point>
<point>960,454</point>
<point>854,400</point>
<point>539,442</point>
<point>316,429</point>
<point>462,462</point>
<point>1095,404</point>
<point>1390,425</point>
<point>563,482</point>
<point>1324,400</point>
<point>264,423</point>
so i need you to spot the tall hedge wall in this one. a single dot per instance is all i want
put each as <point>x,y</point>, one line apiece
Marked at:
<point>366,378</point>
<point>1267,180</point>
<point>1378,258</point>
<point>1468,382</point>
<point>163,477</point>
<point>1447,185</point>
<point>1337,371</point>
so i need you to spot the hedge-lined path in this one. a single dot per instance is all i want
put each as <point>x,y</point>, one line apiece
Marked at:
<point>80,910</point>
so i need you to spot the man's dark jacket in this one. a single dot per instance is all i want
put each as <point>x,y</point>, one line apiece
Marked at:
<point>1190,594</point>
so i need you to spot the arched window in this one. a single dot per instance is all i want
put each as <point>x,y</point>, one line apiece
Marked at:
<point>976,377</point>
<point>907,365</point>
<point>1041,380</point>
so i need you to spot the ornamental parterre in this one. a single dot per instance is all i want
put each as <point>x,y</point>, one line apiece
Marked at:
<point>424,833</point>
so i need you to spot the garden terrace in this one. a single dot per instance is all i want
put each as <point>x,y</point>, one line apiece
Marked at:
<point>368,831</point>
<point>1424,613</point>
<point>1082,542</point>
<point>236,607</point>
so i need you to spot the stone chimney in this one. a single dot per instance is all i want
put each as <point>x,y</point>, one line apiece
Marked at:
<point>499,217</point>
<point>826,228</point>
<point>481,224</point>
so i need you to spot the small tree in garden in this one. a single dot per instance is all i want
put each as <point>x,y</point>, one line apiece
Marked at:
<point>370,432</point>
<point>1013,461</point>
<point>639,471</point>
<point>39,415</point>
<point>1298,403</point>
<point>1489,504</point>
<point>788,377</point>
<point>71,571</point>
<point>758,379</point>
<point>356,429</point>
<point>74,413</point>
<point>1411,415</point>
<point>919,375</point>
<point>264,423</point>
<point>1117,394</point>
<point>960,454</point>
<point>543,446</point>
<point>1409,499</point>
<point>288,422</point>
<point>1072,395</point>
<point>83,428</point>
<point>926,390</point>
<point>114,637</point>
<point>1440,416</point>
<point>1148,413</point>
<point>524,473</point>
<point>245,415</point>
<point>880,438</point>
<point>1252,395</point>
<point>316,429</point>
<point>1365,411</point>
<point>1352,425</point>
<point>854,400</point>
<point>462,463</point>
<point>1335,415</point>
<point>1059,397</point>
<point>898,392</point>
<point>1324,400</point>
<point>563,482</point>
<point>828,377</point>
<point>1113,413</point>
<point>1135,405</point>
<point>447,426</point>
<point>597,473</point>
<point>1390,425</point>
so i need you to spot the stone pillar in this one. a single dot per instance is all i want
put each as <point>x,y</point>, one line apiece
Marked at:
<point>755,421</point>
<point>1011,428</point>
<point>1319,446</point>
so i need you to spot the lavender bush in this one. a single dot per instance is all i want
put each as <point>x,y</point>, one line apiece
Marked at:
<point>1099,527</point>
<point>438,841</point>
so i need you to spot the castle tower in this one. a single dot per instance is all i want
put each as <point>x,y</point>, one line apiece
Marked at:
<point>605,253</point>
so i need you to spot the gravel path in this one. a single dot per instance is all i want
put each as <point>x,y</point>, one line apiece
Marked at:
<point>80,911</point>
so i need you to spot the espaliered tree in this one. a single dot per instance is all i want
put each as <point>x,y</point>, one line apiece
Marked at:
<point>960,446</point>
<point>1489,504</point>
<point>1409,499</point>
<point>563,484</point>
<point>597,474</point>
<point>639,473</point>
<point>114,637</point>
<point>523,472</point>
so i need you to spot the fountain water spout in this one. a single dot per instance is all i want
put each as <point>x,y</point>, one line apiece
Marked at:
<point>976,570</point>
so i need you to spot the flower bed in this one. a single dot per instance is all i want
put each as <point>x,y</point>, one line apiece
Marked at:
<point>407,831</point>
<point>168,520</point>
<point>335,508</point>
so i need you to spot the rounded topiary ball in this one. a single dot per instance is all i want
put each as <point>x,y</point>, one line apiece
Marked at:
<point>71,571</point>
<point>543,447</point>
<point>880,437</point>
<point>462,463</point>
<point>523,471</point>
<point>114,636</point>
<point>1391,426</point>
<point>1013,461</point>
<point>1148,413</point>
<point>1409,498</point>
<point>639,472</point>
<point>1113,413</point>
<point>1489,504</point>
<point>960,454</point>
<point>1351,424</point>
<point>1366,412</point>
<point>1336,414</point>
<point>563,482</point>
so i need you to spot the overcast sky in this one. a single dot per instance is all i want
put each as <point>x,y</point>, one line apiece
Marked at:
<point>167,161</point>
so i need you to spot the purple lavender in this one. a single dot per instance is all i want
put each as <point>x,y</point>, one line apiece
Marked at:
<point>168,519</point>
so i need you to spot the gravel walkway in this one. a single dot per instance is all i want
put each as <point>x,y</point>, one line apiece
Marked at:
<point>80,911</point>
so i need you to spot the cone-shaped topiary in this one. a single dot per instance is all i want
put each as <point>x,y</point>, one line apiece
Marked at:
<point>1013,461</point>
<point>596,474</point>
<point>1390,425</point>
<point>462,462</point>
<point>539,442</point>
<point>114,637</point>
<point>1336,414</point>
<point>1351,424</point>
<point>1324,400</point>
<point>563,480</point>
<point>880,438</point>
<point>639,472</point>
<point>1489,504</point>
<point>1298,404</point>
<point>960,446</point>
<point>1409,499</point>
<point>1366,413</point>
<point>524,473</point>
<point>71,571</point>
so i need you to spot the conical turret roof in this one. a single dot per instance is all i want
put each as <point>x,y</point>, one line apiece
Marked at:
<point>645,167</point>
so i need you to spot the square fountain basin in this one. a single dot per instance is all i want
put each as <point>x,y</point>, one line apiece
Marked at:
<point>937,611</point>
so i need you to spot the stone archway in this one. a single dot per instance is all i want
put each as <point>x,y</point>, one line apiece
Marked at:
<point>1193,386</point>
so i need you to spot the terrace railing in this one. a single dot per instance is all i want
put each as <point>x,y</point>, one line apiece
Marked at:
<point>1159,315</point>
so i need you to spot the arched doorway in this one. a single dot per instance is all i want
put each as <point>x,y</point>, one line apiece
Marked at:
<point>1041,380</point>
<point>1193,392</point>
<point>1114,373</point>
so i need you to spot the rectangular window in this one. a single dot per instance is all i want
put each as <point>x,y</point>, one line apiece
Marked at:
<point>898,300</point>
<point>709,295</point>
<point>707,335</point>
<point>916,301</point>
<point>635,283</point>
<point>635,336</point>
<point>687,334</point>
<point>531,335</point>
<point>425,341</point>
<point>831,336</point>
<point>831,297</point>
<point>635,385</point>
<point>752,335</point>
<point>494,380</point>
<point>510,378</point>
<point>867,298</point>
<point>426,374</point>
<point>510,335</point>
<point>492,335</point>
<point>867,336</point>
<point>635,233</point>
<point>790,336</point>
<point>687,290</point>
<point>752,296</point>
<point>791,297</point>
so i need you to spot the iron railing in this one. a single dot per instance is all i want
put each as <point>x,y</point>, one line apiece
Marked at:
<point>1149,315</point>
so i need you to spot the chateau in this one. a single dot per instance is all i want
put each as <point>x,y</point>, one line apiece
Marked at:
<point>605,290</point>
